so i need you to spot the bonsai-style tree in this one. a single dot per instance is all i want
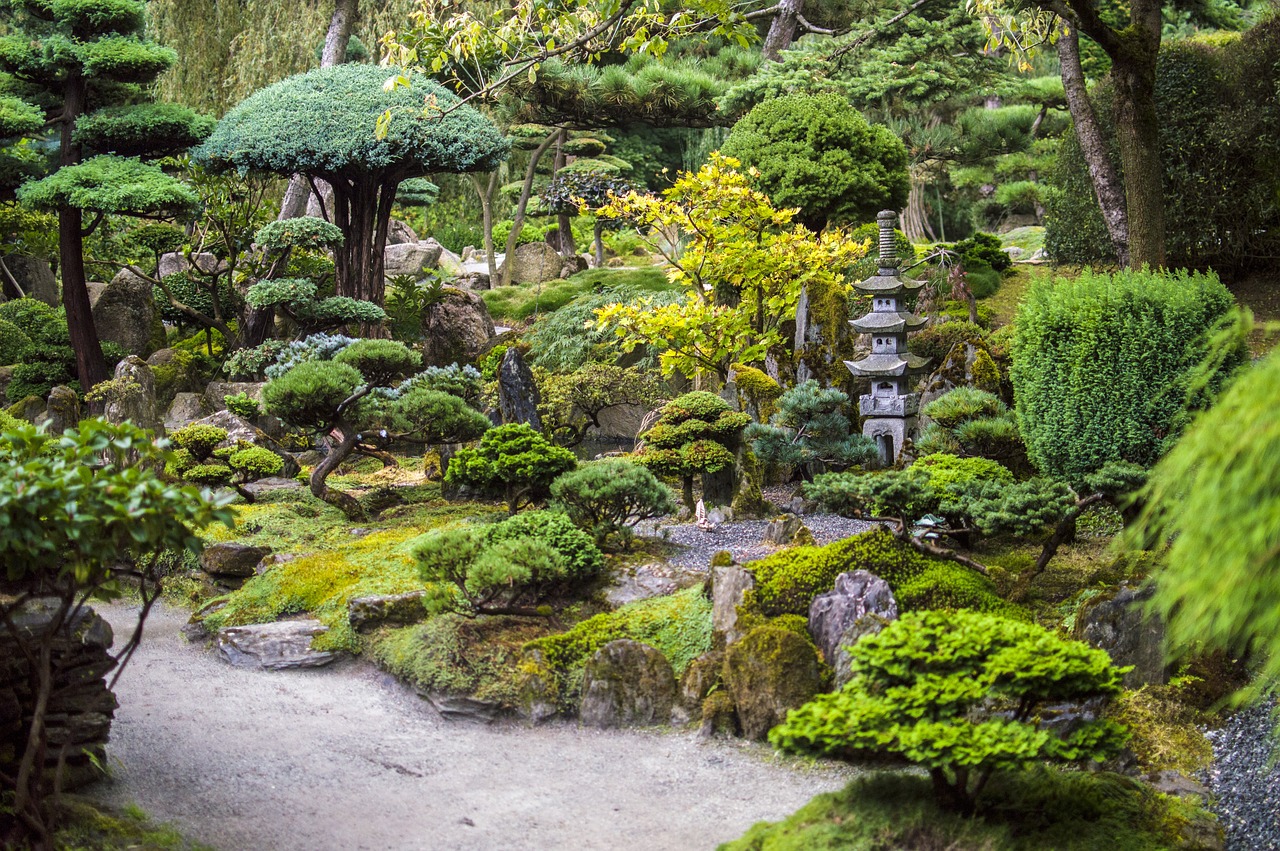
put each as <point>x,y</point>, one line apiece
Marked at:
<point>609,497</point>
<point>817,153</point>
<point>336,398</point>
<point>83,512</point>
<point>84,63</point>
<point>573,402</point>
<point>512,568</point>
<point>573,191</point>
<point>811,432</point>
<point>512,460</point>
<point>198,460</point>
<point>323,124</point>
<point>697,433</point>
<point>297,299</point>
<point>960,695</point>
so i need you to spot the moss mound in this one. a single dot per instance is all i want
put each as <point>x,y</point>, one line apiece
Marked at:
<point>787,581</point>
<point>1026,811</point>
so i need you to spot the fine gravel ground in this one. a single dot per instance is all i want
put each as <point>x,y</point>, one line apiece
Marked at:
<point>1245,778</point>
<point>346,757</point>
<point>745,538</point>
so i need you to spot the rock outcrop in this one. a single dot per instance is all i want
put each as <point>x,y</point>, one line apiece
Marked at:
<point>274,646</point>
<point>455,329</point>
<point>627,684</point>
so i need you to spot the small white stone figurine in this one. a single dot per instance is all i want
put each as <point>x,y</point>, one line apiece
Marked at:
<point>701,513</point>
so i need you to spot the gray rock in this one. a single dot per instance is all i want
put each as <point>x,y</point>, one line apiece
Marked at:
<point>448,264</point>
<point>175,262</point>
<point>1130,637</point>
<point>269,484</point>
<point>174,374</point>
<point>649,580</point>
<point>769,672</point>
<point>518,395</point>
<point>273,646</point>
<point>412,258</point>
<point>369,613</point>
<point>35,276</point>
<point>621,421</point>
<point>29,408</point>
<point>843,664</point>
<point>460,707</point>
<point>240,430</point>
<point>455,329</point>
<point>537,688</point>
<point>783,530</point>
<point>534,263</point>
<point>728,585</point>
<point>627,684</point>
<point>185,409</point>
<point>573,265</point>
<point>134,399</point>
<point>232,559</point>
<point>856,596</point>
<point>702,675</point>
<point>478,281</point>
<point>399,233</point>
<point>95,290</point>
<point>126,314</point>
<point>217,391</point>
<point>62,410</point>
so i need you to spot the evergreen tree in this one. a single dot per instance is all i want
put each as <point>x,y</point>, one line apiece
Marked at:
<point>77,68</point>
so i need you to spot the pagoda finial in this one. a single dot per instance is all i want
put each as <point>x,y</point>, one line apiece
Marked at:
<point>888,251</point>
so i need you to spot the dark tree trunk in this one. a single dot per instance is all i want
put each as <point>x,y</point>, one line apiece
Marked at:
<point>90,365</point>
<point>344,502</point>
<point>782,30</point>
<point>1107,187</point>
<point>362,211</point>
<point>564,222</point>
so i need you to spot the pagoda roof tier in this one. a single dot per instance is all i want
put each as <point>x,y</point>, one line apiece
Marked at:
<point>887,322</point>
<point>891,284</point>
<point>887,364</point>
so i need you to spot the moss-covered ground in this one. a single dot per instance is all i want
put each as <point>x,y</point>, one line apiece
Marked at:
<point>90,827</point>
<point>522,301</point>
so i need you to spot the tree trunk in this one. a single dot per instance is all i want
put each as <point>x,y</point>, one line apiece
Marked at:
<point>344,502</point>
<point>522,205</point>
<point>1138,132</point>
<point>362,211</point>
<point>1107,187</point>
<point>915,217</point>
<point>598,243</point>
<point>564,222</point>
<point>90,365</point>
<point>782,30</point>
<point>485,191</point>
<point>339,35</point>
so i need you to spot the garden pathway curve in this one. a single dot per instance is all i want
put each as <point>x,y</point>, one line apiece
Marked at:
<point>348,758</point>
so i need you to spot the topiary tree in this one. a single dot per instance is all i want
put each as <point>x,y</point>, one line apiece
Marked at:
<point>1102,363</point>
<point>697,433</point>
<point>85,62</point>
<point>86,514</point>
<point>573,191</point>
<point>325,124</point>
<point>818,153</point>
<point>960,695</point>
<point>198,460</point>
<point>356,395</point>
<point>811,432</point>
<point>974,422</point>
<point>609,497</point>
<point>512,568</point>
<point>513,461</point>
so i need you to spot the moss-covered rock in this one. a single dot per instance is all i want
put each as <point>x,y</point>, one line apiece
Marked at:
<point>771,671</point>
<point>627,684</point>
<point>700,678</point>
<point>719,716</point>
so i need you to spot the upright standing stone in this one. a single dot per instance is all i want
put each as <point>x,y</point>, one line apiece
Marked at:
<point>890,408</point>
<point>134,399</point>
<point>857,595</point>
<point>518,395</point>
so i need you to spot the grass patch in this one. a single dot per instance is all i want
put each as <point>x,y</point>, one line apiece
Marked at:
<point>88,826</point>
<point>1003,303</point>
<point>1022,811</point>
<point>1030,239</point>
<point>515,303</point>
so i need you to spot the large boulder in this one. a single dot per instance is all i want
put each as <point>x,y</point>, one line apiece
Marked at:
<point>185,409</point>
<point>62,411</point>
<point>449,264</point>
<point>134,396</point>
<point>533,263</point>
<point>857,596</point>
<point>175,262</point>
<point>216,392</point>
<point>240,430</point>
<point>368,613</point>
<point>414,259</point>
<point>455,329</point>
<point>399,233</point>
<point>769,672</point>
<point>232,559</point>
<point>1130,636</point>
<point>126,314</point>
<point>176,372</point>
<point>627,684</point>
<point>274,646</point>
<point>728,586</point>
<point>35,276</point>
<point>518,395</point>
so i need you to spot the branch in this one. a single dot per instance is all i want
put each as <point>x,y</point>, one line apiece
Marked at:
<point>899,528</point>
<point>872,33</point>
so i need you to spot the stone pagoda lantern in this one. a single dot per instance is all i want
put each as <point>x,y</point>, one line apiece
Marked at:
<point>890,409</point>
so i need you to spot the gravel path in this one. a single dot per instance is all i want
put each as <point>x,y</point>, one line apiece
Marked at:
<point>1245,779</point>
<point>745,538</point>
<point>348,758</point>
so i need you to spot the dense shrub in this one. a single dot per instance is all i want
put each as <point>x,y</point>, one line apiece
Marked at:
<point>557,531</point>
<point>1101,364</point>
<point>609,497</point>
<point>924,689</point>
<point>512,461</point>
<point>696,433</point>
<point>936,341</point>
<point>811,430</point>
<point>13,343</point>
<point>818,154</point>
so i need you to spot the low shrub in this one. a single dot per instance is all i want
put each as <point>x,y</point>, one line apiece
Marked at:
<point>609,497</point>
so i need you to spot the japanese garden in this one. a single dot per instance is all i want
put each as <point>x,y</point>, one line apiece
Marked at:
<point>596,424</point>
